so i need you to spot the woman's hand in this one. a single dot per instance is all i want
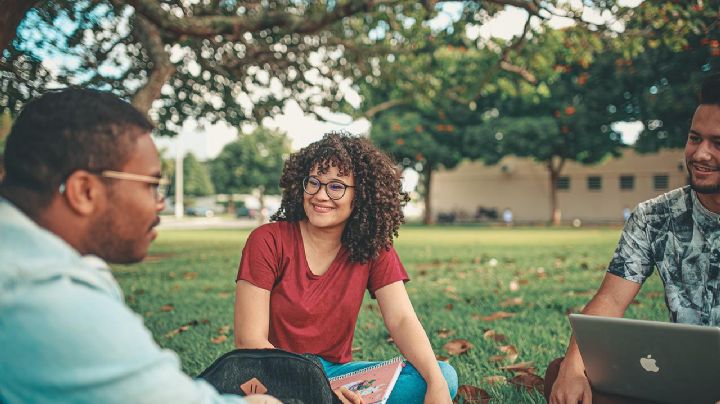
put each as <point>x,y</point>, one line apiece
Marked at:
<point>347,396</point>
<point>438,393</point>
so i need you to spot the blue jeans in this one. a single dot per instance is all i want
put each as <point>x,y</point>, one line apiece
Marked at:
<point>410,386</point>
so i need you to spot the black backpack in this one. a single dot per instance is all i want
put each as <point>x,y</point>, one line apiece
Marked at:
<point>289,377</point>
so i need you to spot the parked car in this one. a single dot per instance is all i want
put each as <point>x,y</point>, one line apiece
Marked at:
<point>244,211</point>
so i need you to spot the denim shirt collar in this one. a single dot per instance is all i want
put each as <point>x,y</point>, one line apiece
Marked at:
<point>31,255</point>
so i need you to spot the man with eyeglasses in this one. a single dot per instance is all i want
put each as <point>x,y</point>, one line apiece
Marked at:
<point>83,186</point>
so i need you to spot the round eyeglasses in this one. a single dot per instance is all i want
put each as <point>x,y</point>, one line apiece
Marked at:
<point>334,189</point>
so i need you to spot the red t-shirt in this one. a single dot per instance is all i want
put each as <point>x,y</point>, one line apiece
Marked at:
<point>310,313</point>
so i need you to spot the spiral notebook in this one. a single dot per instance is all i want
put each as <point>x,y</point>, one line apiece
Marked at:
<point>373,383</point>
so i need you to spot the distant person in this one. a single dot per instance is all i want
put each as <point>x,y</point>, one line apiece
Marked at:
<point>677,233</point>
<point>302,278</point>
<point>81,188</point>
<point>508,217</point>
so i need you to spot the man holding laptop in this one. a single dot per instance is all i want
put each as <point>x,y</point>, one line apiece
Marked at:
<point>679,234</point>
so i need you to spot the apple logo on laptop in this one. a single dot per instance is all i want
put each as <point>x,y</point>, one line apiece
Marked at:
<point>648,363</point>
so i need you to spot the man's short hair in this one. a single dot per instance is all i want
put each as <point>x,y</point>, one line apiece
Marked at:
<point>710,90</point>
<point>63,131</point>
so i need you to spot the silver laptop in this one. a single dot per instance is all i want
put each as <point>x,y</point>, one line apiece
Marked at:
<point>665,362</point>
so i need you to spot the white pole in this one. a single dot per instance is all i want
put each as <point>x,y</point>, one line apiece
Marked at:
<point>179,208</point>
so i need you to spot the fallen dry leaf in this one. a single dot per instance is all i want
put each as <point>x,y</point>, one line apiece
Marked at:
<point>224,329</point>
<point>528,381</point>
<point>442,358</point>
<point>167,307</point>
<point>219,339</point>
<point>188,276</point>
<point>224,295</point>
<point>495,379</point>
<point>355,349</point>
<point>514,286</point>
<point>445,333</point>
<point>511,353</point>
<point>449,306</point>
<point>492,334</point>
<point>498,315</point>
<point>514,301</point>
<point>524,367</point>
<point>457,346</point>
<point>177,331</point>
<point>472,395</point>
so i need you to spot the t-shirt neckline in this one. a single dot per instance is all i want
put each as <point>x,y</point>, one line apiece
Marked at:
<point>310,274</point>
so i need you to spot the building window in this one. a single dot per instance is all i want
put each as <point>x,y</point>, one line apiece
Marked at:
<point>563,183</point>
<point>627,182</point>
<point>594,182</point>
<point>660,181</point>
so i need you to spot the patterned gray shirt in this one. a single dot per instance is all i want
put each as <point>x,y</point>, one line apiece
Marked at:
<point>677,234</point>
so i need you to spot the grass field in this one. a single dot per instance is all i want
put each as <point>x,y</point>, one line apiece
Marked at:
<point>460,275</point>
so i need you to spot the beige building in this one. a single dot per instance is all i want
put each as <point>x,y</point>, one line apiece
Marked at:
<point>594,194</point>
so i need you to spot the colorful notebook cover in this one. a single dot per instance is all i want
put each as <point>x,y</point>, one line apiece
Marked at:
<point>373,383</point>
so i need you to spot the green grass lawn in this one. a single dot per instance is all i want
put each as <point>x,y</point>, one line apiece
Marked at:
<point>459,275</point>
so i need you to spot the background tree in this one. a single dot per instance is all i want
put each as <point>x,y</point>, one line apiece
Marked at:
<point>253,162</point>
<point>210,60</point>
<point>228,60</point>
<point>444,96</point>
<point>196,176</point>
<point>418,141</point>
<point>674,46</point>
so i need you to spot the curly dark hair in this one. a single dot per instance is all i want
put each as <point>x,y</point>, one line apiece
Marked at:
<point>377,207</point>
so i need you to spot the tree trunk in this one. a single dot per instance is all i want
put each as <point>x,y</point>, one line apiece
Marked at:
<point>427,177</point>
<point>13,11</point>
<point>554,173</point>
<point>162,68</point>
<point>231,205</point>
<point>261,199</point>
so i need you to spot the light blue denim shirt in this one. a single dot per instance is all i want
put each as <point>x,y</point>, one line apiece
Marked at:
<point>66,334</point>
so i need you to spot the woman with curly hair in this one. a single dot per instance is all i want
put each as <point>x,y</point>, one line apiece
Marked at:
<point>302,278</point>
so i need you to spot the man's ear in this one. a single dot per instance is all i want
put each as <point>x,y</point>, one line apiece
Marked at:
<point>83,192</point>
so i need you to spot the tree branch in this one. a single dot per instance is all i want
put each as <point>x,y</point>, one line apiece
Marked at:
<point>524,73</point>
<point>529,6</point>
<point>235,26</point>
<point>162,68</point>
<point>13,11</point>
<point>370,113</point>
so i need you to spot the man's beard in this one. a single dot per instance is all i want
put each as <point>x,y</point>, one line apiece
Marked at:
<point>702,189</point>
<point>110,241</point>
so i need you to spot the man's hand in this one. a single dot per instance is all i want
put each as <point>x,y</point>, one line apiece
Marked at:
<point>261,399</point>
<point>347,396</point>
<point>571,389</point>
